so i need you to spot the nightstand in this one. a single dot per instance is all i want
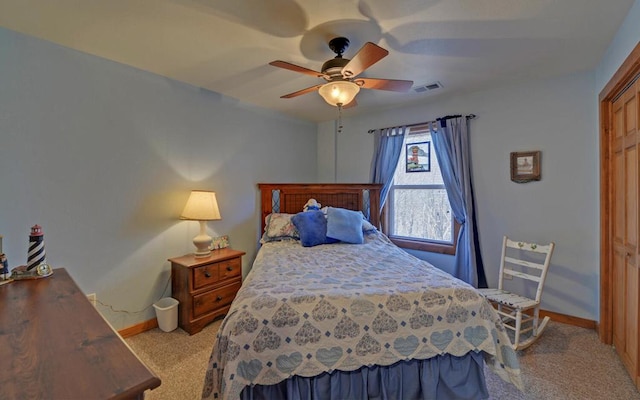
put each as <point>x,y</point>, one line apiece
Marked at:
<point>205,287</point>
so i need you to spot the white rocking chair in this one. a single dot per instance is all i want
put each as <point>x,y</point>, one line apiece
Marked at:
<point>519,313</point>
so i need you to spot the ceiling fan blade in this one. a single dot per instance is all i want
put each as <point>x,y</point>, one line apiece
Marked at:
<point>296,68</point>
<point>368,55</point>
<point>394,85</point>
<point>301,92</point>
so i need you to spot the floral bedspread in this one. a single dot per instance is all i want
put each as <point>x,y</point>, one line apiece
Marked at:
<point>306,310</point>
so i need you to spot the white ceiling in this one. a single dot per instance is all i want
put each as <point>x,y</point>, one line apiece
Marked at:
<point>226,45</point>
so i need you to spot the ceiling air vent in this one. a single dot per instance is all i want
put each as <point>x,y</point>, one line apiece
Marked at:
<point>428,87</point>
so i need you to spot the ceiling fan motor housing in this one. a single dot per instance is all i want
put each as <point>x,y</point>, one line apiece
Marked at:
<point>333,67</point>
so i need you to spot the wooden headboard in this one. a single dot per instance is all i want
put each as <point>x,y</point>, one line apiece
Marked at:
<point>291,197</point>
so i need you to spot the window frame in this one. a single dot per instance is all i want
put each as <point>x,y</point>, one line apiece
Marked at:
<point>430,246</point>
<point>419,244</point>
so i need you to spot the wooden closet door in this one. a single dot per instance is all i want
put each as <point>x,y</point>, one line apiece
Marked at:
<point>625,274</point>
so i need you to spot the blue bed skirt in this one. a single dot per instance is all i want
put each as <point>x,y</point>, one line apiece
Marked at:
<point>443,377</point>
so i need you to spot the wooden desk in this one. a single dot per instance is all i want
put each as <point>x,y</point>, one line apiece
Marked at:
<point>55,345</point>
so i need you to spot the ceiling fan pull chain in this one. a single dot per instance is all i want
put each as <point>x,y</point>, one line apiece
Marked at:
<point>339,117</point>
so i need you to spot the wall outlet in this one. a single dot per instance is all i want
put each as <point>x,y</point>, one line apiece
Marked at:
<point>92,298</point>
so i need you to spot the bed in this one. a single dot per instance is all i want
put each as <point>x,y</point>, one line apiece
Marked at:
<point>341,319</point>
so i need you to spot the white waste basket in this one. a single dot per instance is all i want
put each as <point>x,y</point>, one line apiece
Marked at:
<point>167,313</point>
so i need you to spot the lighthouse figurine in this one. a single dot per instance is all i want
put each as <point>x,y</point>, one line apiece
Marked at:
<point>36,254</point>
<point>36,258</point>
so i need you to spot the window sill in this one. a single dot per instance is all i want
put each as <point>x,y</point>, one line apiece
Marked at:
<point>424,246</point>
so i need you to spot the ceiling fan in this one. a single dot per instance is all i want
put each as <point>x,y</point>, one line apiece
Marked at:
<point>342,84</point>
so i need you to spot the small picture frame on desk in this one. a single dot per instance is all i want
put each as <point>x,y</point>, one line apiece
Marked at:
<point>220,242</point>
<point>525,166</point>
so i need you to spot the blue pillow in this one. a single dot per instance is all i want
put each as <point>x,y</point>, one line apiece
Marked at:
<point>344,225</point>
<point>312,227</point>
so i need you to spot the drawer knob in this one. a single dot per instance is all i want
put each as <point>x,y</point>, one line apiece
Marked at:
<point>218,298</point>
<point>207,274</point>
<point>229,268</point>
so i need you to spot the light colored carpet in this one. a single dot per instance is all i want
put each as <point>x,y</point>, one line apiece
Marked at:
<point>567,362</point>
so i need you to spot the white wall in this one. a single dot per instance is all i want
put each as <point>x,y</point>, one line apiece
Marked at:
<point>103,156</point>
<point>622,44</point>
<point>552,115</point>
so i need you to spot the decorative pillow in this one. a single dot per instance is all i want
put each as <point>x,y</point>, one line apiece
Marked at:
<point>367,227</point>
<point>312,227</point>
<point>278,226</point>
<point>345,225</point>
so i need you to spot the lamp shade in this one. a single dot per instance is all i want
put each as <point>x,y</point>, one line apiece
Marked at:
<point>339,92</point>
<point>201,206</point>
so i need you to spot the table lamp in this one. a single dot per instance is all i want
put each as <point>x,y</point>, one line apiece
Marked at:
<point>202,206</point>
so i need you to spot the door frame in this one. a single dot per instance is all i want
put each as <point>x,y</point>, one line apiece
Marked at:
<point>622,78</point>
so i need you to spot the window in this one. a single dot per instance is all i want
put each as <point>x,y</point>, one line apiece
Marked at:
<point>418,212</point>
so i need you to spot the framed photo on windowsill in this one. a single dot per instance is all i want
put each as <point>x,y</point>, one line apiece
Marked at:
<point>525,166</point>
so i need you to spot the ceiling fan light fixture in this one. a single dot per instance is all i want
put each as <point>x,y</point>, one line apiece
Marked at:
<point>339,92</point>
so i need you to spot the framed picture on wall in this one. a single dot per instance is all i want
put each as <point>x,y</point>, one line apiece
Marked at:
<point>419,157</point>
<point>525,166</point>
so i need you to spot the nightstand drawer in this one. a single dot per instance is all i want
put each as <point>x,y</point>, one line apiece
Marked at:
<point>205,275</point>
<point>215,299</point>
<point>229,269</point>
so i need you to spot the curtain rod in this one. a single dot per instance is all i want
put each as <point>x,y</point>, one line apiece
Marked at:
<point>470,116</point>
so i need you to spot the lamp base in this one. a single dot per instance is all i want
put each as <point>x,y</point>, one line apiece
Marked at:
<point>202,242</point>
<point>203,254</point>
